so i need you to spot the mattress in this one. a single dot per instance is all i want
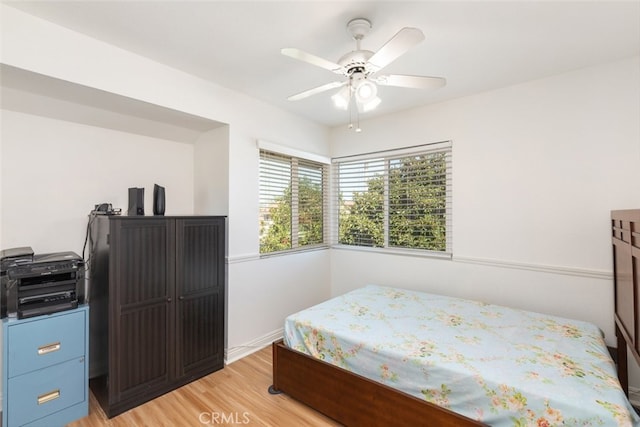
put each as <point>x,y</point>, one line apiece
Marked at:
<point>498,365</point>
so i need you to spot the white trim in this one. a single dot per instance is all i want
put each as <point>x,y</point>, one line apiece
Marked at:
<point>242,258</point>
<point>237,259</point>
<point>420,253</point>
<point>299,250</point>
<point>289,151</point>
<point>396,152</point>
<point>555,269</point>
<point>238,352</point>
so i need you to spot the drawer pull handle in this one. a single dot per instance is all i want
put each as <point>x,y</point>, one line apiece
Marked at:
<point>48,397</point>
<point>49,348</point>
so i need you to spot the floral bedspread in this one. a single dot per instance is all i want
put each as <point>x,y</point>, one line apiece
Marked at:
<point>498,365</point>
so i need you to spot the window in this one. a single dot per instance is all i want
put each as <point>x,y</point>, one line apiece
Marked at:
<point>293,200</point>
<point>398,199</point>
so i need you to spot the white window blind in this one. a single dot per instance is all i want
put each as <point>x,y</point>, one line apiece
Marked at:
<point>398,199</point>
<point>293,200</point>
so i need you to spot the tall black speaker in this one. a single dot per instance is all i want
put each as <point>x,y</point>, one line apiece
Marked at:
<point>136,201</point>
<point>158,200</point>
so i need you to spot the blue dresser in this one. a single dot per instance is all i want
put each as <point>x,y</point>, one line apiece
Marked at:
<point>45,369</point>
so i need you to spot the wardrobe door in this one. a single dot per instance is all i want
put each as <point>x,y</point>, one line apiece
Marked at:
<point>200,279</point>
<point>142,289</point>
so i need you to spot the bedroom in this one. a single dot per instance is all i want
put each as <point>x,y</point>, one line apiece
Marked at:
<point>520,237</point>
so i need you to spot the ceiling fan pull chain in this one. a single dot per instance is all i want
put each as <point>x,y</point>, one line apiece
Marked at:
<point>350,106</point>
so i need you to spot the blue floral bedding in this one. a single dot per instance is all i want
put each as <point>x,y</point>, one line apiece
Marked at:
<point>501,366</point>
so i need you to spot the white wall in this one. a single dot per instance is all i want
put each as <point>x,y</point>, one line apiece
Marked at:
<point>1,243</point>
<point>262,292</point>
<point>211,164</point>
<point>1,221</point>
<point>537,168</point>
<point>54,172</point>
<point>262,288</point>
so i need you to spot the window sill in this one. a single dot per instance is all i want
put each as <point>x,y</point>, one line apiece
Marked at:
<point>396,251</point>
<point>295,251</point>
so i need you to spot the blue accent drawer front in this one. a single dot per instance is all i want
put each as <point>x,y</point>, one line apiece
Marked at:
<point>41,393</point>
<point>32,345</point>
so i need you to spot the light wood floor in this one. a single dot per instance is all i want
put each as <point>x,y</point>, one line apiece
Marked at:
<point>235,395</point>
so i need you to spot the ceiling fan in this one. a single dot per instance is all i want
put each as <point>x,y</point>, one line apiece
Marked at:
<point>360,67</point>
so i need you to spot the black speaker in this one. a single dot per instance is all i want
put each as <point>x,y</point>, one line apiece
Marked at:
<point>136,201</point>
<point>158,200</point>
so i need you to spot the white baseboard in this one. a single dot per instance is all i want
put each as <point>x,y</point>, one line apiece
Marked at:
<point>238,352</point>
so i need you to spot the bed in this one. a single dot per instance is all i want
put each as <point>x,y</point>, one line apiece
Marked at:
<point>473,363</point>
<point>625,237</point>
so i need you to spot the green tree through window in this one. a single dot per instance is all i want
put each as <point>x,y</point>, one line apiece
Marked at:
<point>417,202</point>
<point>394,202</point>
<point>292,203</point>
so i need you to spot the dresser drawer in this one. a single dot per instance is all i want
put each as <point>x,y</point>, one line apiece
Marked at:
<point>38,344</point>
<point>40,393</point>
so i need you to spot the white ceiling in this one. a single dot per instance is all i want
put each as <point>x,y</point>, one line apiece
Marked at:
<point>475,45</point>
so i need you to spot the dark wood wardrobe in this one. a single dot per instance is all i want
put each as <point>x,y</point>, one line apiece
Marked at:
<point>157,298</point>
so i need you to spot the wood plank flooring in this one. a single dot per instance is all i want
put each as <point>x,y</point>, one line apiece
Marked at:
<point>235,395</point>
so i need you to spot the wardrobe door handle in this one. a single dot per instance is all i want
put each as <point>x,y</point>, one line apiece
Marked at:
<point>169,299</point>
<point>181,298</point>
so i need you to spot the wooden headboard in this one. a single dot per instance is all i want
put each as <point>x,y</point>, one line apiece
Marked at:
<point>626,268</point>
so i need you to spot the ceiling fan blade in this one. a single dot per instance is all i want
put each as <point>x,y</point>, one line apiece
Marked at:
<point>312,59</point>
<point>316,90</point>
<point>418,82</point>
<point>399,44</point>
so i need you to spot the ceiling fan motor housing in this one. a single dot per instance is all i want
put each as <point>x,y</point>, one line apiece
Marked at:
<point>358,28</point>
<point>355,61</point>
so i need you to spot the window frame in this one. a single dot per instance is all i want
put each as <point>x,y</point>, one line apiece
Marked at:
<point>386,156</point>
<point>296,157</point>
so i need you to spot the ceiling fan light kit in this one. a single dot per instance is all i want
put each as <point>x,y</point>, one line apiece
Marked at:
<point>342,97</point>
<point>360,90</point>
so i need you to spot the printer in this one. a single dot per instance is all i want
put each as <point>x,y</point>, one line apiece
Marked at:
<point>35,284</point>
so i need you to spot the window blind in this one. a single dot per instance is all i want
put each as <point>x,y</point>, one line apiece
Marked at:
<point>396,199</point>
<point>275,202</point>
<point>293,200</point>
<point>311,202</point>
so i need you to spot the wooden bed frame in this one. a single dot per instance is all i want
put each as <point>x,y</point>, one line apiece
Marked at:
<point>353,400</point>
<point>625,225</point>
